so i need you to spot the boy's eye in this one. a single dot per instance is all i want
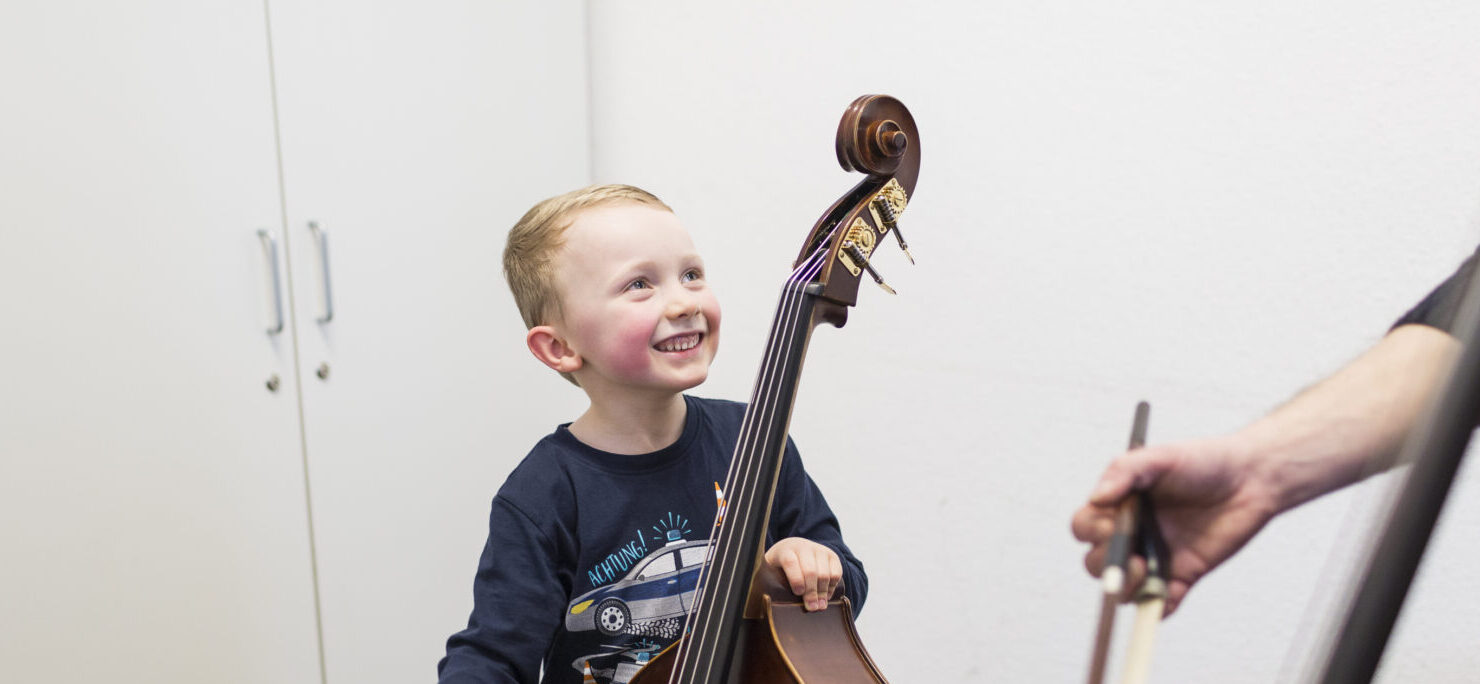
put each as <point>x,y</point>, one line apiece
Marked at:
<point>692,274</point>
<point>638,284</point>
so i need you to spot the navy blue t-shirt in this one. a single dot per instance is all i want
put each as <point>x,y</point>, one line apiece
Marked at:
<point>592,557</point>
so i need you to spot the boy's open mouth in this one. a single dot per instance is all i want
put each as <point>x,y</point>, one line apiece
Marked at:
<point>679,343</point>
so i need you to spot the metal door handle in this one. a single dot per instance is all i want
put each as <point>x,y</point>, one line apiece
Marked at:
<point>323,238</point>
<point>270,242</point>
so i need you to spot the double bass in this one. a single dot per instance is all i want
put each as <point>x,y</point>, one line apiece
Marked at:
<point>1435,447</point>
<point>747,625</point>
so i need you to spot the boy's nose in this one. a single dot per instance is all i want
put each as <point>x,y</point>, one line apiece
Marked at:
<point>682,305</point>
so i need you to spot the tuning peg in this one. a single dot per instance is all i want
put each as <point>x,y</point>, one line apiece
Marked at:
<point>891,221</point>
<point>861,260</point>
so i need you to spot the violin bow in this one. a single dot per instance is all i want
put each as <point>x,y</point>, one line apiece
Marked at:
<point>1151,596</point>
<point>1135,526</point>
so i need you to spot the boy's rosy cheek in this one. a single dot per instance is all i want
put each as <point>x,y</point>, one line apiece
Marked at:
<point>712,316</point>
<point>632,342</point>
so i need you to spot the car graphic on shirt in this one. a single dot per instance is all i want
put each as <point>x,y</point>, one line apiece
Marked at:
<point>661,585</point>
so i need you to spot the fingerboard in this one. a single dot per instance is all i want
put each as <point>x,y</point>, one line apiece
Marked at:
<point>706,655</point>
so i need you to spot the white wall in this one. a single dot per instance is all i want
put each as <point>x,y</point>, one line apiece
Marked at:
<point>1207,205</point>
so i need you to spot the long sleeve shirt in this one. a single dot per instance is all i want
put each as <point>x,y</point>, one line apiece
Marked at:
<point>592,558</point>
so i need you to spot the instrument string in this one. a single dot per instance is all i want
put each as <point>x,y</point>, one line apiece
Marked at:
<point>723,551</point>
<point>726,551</point>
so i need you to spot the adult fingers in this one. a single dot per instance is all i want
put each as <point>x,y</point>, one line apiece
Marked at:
<point>1094,559</point>
<point>1135,571</point>
<point>1135,574</point>
<point>1092,524</point>
<point>1176,591</point>
<point>1137,469</point>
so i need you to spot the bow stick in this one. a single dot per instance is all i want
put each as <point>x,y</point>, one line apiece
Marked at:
<point>1135,525</point>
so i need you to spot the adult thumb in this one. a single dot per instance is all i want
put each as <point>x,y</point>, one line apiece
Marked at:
<point>1133,470</point>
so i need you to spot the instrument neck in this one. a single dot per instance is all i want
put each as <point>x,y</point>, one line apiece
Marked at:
<point>738,543</point>
<point>1436,447</point>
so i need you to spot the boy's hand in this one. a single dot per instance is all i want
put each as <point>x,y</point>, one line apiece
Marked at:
<point>813,570</point>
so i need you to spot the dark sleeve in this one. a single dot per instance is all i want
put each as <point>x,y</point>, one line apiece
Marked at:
<point>1437,310</point>
<point>517,604</point>
<point>801,511</point>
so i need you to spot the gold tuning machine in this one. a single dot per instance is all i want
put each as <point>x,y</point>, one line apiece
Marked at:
<point>889,219</point>
<point>859,258</point>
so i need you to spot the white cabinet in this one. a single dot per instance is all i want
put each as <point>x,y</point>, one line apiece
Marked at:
<point>153,518</point>
<point>166,515</point>
<point>414,135</point>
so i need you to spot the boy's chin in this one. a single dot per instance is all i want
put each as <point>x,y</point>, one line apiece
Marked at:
<point>695,380</point>
<point>691,382</point>
<point>672,384</point>
<point>690,376</point>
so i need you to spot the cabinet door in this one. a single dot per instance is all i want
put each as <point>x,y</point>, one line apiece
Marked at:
<point>414,135</point>
<point>151,486</point>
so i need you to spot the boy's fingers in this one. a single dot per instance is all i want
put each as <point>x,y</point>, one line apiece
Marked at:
<point>828,575</point>
<point>791,569</point>
<point>829,571</point>
<point>811,597</point>
<point>812,571</point>
<point>801,571</point>
<point>836,566</point>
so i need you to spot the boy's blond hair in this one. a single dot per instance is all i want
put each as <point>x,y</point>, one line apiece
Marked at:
<point>530,253</point>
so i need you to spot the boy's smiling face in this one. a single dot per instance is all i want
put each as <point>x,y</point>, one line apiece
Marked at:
<point>636,310</point>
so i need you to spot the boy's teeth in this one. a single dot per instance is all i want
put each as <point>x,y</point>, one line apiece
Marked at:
<point>683,343</point>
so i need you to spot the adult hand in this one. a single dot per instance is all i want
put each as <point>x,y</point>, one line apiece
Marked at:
<point>1210,498</point>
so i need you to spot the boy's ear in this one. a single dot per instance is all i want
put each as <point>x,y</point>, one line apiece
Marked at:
<point>547,346</point>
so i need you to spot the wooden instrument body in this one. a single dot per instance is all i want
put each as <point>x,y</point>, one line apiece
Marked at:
<point>780,642</point>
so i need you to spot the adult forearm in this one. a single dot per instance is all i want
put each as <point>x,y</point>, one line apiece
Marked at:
<point>1351,424</point>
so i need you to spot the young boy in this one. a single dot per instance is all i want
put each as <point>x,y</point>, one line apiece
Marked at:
<point>596,539</point>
